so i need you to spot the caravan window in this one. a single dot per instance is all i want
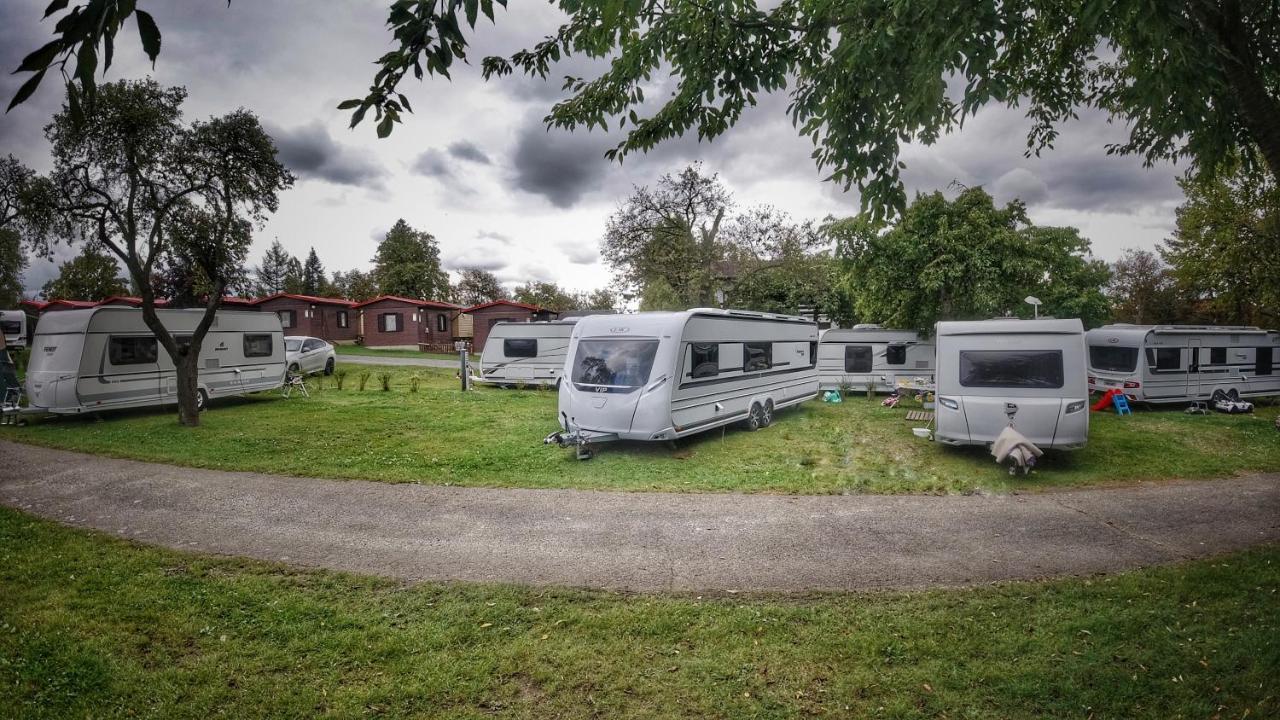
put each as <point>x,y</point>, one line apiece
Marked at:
<point>704,360</point>
<point>895,355</point>
<point>757,356</point>
<point>520,347</point>
<point>1113,359</point>
<point>857,358</point>
<point>257,346</point>
<point>1262,361</point>
<point>1168,358</point>
<point>132,350</point>
<point>1218,356</point>
<point>10,327</point>
<point>1011,368</point>
<point>614,363</point>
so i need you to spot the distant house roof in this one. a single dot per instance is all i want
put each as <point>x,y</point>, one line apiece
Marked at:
<point>411,301</point>
<point>232,300</point>
<point>128,300</point>
<point>306,298</point>
<point>72,304</point>
<point>512,303</point>
<point>33,304</point>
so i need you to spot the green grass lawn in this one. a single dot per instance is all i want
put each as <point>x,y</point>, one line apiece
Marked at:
<point>392,352</point>
<point>96,627</point>
<point>493,437</point>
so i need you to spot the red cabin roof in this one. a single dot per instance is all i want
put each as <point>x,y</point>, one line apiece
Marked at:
<point>512,303</point>
<point>307,298</point>
<point>411,301</point>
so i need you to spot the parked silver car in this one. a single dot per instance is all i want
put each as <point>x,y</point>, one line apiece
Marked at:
<point>309,355</point>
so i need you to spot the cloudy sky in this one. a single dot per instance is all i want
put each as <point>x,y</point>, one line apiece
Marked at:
<point>476,167</point>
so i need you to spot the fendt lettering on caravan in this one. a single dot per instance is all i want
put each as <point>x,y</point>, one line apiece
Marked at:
<point>871,357</point>
<point>525,353</point>
<point>666,375</point>
<point>1183,363</point>
<point>106,358</point>
<point>1026,373</point>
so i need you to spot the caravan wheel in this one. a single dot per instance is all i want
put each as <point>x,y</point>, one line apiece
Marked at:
<point>766,415</point>
<point>202,401</point>
<point>754,419</point>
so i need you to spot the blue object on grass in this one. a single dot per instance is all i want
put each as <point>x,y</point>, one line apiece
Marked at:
<point>1121,404</point>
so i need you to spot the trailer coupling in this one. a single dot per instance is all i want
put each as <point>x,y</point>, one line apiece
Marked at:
<point>579,440</point>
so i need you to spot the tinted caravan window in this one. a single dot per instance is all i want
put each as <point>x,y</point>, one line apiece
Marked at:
<point>132,350</point>
<point>520,347</point>
<point>1168,358</point>
<point>1011,368</point>
<point>857,358</point>
<point>1112,358</point>
<point>1218,356</point>
<point>614,363</point>
<point>757,356</point>
<point>895,355</point>
<point>257,346</point>
<point>704,360</point>
<point>1263,361</point>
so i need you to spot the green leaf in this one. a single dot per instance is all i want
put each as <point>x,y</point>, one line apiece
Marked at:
<point>73,104</point>
<point>471,9</point>
<point>55,6</point>
<point>405,101</point>
<point>26,90</point>
<point>86,63</point>
<point>384,127</point>
<point>150,33</point>
<point>41,58</point>
<point>349,104</point>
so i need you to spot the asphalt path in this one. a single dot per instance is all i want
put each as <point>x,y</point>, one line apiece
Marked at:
<point>644,541</point>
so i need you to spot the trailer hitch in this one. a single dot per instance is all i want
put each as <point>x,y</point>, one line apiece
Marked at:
<point>575,439</point>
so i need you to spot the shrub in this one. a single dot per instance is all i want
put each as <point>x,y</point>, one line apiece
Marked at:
<point>414,379</point>
<point>363,379</point>
<point>339,377</point>
<point>384,379</point>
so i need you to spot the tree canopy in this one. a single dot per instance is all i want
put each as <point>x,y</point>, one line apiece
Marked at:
<point>1142,290</point>
<point>476,286</point>
<point>92,275</point>
<point>12,262</point>
<point>314,281</point>
<point>408,264</point>
<point>1198,79</point>
<point>966,259</point>
<point>269,276</point>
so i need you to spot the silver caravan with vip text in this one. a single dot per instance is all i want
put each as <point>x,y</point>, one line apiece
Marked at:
<point>525,353</point>
<point>1025,373</point>
<point>106,358</point>
<point>665,375</point>
<point>1182,363</point>
<point>871,356</point>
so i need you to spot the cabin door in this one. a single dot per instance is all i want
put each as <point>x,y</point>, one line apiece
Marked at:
<point>1193,368</point>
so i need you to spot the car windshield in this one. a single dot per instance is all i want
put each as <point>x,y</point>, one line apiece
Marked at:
<point>614,363</point>
<point>1112,358</point>
<point>292,345</point>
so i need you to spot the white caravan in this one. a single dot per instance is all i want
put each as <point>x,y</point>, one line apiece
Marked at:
<point>13,325</point>
<point>1183,363</point>
<point>871,356</point>
<point>665,375</point>
<point>1027,373</point>
<point>106,358</point>
<point>525,353</point>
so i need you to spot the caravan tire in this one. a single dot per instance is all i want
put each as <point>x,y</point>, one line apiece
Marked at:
<point>753,421</point>
<point>328,367</point>
<point>202,400</point>
<point>766,414</point>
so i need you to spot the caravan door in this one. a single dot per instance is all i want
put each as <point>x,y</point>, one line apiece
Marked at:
<point>128,373</point>
<point>1193,368</point>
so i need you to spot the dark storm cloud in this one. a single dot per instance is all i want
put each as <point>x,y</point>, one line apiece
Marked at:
<point>310,152</point>
<point>469,151</point>
<point>433,163</point>
<point>558,165</point>
<point>22,129</point>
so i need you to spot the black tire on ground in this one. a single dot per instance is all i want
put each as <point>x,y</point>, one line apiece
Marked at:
<point>202,400</point>
<point>752,422</point>
<point>766,414</point>
<point>328,366</point>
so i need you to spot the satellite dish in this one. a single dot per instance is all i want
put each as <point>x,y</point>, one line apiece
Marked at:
<point>1034,302</point>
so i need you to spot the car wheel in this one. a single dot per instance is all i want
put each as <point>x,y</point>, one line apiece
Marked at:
<point>293,368</point>
<point>766,415</point>
<point>202,401</point>
<point>328,367</point>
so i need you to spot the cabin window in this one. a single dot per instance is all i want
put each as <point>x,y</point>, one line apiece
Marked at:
<point>1263,361</point>
<point>1011,368</point>
<point>857,358</point>
<point>390,322</point>
<point>895,355</point>
<point>257,346</point>
<point>1168,358</point>
<point>1110,358</point>
<point>704,360</point>
<point>614,364</point>
<point>132,350</point>
<point>342,319</point>
<point>442,323</point>
<point>520,347</point>
<point>1218,356</point>
<point>757,356</point>
<point>288,318</point>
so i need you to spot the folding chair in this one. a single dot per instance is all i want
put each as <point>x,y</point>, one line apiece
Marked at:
<point>294,383</point>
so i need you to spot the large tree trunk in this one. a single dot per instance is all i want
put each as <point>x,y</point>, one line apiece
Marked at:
<point>1260,112</point>
<point>188,387</point>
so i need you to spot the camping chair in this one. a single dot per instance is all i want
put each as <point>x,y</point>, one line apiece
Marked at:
<point>10,390</point>
<point>294,382</point>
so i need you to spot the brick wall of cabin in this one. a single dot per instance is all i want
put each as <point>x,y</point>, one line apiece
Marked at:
<point>325,321</point>
<point>405,336</point>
